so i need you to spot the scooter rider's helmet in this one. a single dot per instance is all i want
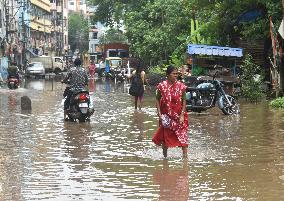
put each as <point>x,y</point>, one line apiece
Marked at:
<point>77,62</point>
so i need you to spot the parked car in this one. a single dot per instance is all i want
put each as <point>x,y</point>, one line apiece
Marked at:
<point>35,69</point>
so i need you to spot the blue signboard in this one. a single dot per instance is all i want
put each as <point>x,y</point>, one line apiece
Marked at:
<point>214,50</point>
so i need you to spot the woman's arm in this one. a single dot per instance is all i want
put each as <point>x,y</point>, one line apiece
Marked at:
<point>143,77</point>
<point>183,110</point>
<point>158,98</point>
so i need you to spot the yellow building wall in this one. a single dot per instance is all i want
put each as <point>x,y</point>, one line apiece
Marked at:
<point>44,4</point>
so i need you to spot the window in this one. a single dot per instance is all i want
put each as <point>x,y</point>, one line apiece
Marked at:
<point>71,3</point>
<point>95,35</point>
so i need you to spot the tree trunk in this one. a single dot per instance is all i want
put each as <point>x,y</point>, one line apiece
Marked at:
<point>282,70</point>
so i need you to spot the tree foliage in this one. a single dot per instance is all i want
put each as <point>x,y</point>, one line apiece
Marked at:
<point>251,78</point>
<point>113,35</point>
<point>78,32</point>
<point>277,103</point>
<point>159,30</point>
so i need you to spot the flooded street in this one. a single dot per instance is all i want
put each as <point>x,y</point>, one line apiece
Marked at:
<point>112,156</point>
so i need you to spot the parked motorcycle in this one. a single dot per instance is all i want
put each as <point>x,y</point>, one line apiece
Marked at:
<point>13,83</point>
<point>117,74</point>
<point>81,106</point>
<point>207,93</point>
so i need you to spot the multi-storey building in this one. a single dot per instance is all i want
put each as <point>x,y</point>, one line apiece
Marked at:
<point>78,6</point>
<point>40,26</point>
<point>95,32</point>
<point>9,28</point>
<point>31,28</point>
<point>2,24</point>
<point>59,15</point>
<point>23,32</point>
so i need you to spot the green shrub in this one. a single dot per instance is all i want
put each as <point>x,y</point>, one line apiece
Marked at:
<point>160,70</point>
<point>251,86</point>
<point>277,103</point>
<point>197,71</point>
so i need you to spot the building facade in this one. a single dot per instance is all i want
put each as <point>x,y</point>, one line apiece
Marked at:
<point>79,6</point>
<point>32,28</point>
<point>95,32</point>
<point>59,16</point>
<point>40,27</point>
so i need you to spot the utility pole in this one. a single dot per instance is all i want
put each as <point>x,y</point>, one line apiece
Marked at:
<point>62,27</point>
<point>6,7</point>
<point>24,37</point>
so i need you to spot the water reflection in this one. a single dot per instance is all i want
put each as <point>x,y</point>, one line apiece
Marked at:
<point>35,84</point>
<point>91,86</point>
<point>137,124</point>
<point>12,103</point>
<point>173,182</point>
<point>77,144</point>
<point>107,86</point>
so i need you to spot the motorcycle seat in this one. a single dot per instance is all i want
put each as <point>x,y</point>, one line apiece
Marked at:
<point>192,89</point>
<point>76,91</point>
<point>205,86</point>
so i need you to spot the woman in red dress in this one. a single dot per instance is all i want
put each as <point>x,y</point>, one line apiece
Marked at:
<point>171,108</point>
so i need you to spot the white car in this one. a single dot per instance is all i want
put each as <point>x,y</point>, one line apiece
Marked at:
<point>35,69</point>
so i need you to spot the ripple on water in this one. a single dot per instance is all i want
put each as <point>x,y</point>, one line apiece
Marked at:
<point>112,157</point>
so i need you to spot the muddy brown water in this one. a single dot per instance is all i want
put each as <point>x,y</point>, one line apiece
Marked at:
<point>112,157</point>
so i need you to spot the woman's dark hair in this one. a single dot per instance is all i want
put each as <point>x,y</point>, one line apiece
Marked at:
<point>77,62</point>
<point>170,69</point>
<point>139,67</point>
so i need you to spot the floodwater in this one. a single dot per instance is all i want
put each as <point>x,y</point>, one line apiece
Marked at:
<point>112,157</point>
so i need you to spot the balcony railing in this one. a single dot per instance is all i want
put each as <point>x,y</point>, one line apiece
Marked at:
<point>44,4</point>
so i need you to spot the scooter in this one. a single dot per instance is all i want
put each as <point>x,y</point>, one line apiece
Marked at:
<point>13,83</point>
<point>207,93</point>
<point>81,106</point>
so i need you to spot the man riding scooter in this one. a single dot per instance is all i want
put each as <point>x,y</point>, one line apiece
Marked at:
<point>13,78</point>
<point>77,79</point>
<point>13,71</point>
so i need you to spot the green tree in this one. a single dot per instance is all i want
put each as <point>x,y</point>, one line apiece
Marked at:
<point>251,78</point>
<point>113,35</point>
<point>159,30</point>
<point>78,32</point>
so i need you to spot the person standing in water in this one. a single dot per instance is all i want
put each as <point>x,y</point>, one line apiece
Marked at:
<point>171,110</point>
<point>138,79</point>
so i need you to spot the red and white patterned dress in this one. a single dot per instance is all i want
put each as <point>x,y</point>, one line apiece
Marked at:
<point>171,105</point>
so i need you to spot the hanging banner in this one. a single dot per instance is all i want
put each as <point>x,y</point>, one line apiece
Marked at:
<point>275,45</point>
<point>281,29</point>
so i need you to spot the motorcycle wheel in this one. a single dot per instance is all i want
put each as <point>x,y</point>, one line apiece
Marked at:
<point>103,74</point>
<point>227,109</point>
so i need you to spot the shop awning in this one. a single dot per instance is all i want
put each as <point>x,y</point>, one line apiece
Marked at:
<point>194,49</point>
